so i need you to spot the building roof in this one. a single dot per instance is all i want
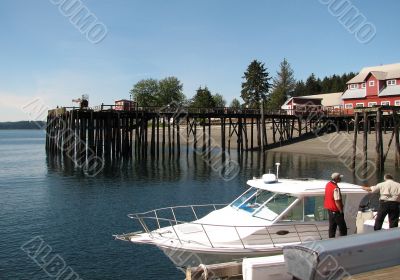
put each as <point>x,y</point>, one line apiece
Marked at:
<point>382,72</point>
<point>309,97</point>
<point>379,75</point>
<point>354,93</point>
<point>390,90</point>
<point>125,100</point>
<point>329,99</point>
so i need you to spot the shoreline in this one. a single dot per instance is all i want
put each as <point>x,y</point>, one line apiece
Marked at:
<point>332,144</point>
<point>337,144</point>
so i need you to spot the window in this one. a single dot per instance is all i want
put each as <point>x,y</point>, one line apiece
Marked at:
<point>314,209</point>
<point>371,104</point>
<point>353,86</point>
<point>397,103</point>
<point>294,214</point>
<point>391,82</point>
<point>359,105</point>
<point>371,83</point>
<point>249,198</point>
<point>348,106</point>
<point>385,103</point>
<point>363,85</point>
<point>275,206</point>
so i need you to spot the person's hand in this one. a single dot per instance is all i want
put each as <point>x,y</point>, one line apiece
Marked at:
<point>366,188</point>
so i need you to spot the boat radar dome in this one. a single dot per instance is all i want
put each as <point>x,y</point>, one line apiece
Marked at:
<point>269,178</point>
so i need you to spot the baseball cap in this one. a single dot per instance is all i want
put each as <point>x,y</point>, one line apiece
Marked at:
<point>336,175</point>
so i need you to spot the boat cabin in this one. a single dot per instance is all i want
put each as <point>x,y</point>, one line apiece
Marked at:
<point>300,200</point>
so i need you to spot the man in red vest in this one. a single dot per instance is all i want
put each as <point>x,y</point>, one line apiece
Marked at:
<point>334,204</point>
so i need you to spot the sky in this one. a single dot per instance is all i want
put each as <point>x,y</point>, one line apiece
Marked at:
<point>46,59</point>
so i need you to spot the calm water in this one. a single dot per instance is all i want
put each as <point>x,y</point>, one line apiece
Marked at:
<point>76,215</point>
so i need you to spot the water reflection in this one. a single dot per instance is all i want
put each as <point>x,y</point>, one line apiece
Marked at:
<point>195,166</point>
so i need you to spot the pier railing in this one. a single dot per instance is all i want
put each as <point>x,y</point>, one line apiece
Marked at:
<point>166,223</point>
<point>299,110</point>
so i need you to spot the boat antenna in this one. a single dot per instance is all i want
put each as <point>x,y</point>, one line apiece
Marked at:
<point>277,170</point>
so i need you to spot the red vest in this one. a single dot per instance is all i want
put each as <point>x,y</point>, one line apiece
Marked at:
<point>329,202</point>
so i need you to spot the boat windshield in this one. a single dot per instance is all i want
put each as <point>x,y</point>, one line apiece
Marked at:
<point>251,200</point>
<point>265,204</point>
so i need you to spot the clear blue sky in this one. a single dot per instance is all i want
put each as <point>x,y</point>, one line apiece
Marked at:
<point>207,42</point>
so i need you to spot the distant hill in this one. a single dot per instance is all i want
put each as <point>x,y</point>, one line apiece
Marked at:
<point>23,125</point>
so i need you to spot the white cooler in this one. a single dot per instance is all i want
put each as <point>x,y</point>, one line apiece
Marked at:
<point>264,268</point>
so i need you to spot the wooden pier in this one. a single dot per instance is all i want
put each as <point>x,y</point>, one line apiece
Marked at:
<point>103,132</point>
<point>381,120</point>
<point>112,133</point>
<point>233,271</point>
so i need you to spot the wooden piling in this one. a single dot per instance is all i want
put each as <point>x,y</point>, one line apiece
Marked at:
<point>356,120</point>
<point>379,140</point>
<point>365,142</point>
<point>178,136</point>
<point>396,137</point>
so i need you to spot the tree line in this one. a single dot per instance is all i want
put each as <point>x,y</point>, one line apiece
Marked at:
<point>329,84</point>
<point>158,93</point>
<point>258,88</point>
<point>23,125</point>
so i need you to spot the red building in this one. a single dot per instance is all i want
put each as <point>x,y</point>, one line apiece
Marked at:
<point>378,85</point>
<point>124,105</point>
<point>302,104</point>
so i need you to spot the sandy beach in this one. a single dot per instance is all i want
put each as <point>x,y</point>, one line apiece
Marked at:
<point>340,143</point>
<point>328,144</point>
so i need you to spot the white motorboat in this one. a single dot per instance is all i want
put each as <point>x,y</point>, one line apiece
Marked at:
<point>272,213</point>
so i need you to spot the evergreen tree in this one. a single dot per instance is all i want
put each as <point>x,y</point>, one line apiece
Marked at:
<point>326,85</point>
<point>283,86</point>
<point>336,84</point>
<point>256,85</point>
<point>313,86</point>
<point>235,104</point>
<point>203,99</point>
<point>300,89</point>
<point>329,84</point>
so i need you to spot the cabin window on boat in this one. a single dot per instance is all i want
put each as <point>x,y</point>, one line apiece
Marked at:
<point>309,209</point>
<point>314,209</point>
<point>277,205</point>
<point>295,213</point>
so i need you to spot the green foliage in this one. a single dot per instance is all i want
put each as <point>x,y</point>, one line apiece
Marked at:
<point>169,90</point>
<point>219,100</point>
<point>334,83</point>
<point>235,104</point>
<point>145,92</point>
<point>300,89</point>
<point>151,92</point>
<point>203,99</point>
<point>256,85</point>
<point>283,85</point>
<point>313,85</point>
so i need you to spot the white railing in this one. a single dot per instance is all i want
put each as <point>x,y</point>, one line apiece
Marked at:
<point>273,235</point>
